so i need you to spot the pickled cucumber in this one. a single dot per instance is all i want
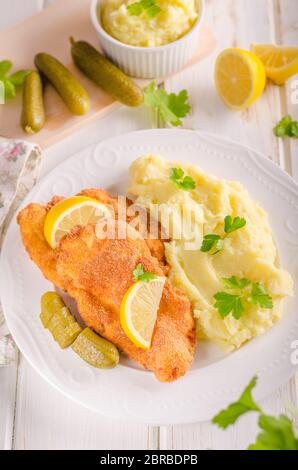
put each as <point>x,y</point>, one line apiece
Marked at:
<point>53,306</point>
<point>105,74</point>
<point>69,88</point>
<point>66,336</point>
<point>97,351</point>
<point>33,113</point>
<point>56,317</point>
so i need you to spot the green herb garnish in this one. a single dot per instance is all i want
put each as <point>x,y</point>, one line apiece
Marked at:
<point>216,242</point>
<point>245,404</point>
<point>183,182</point>
<point>229,303</point>
<point>276,433</point>
<point>286,127</point>
<point>236,283</point>
<point>172,107</point>
<point>231,225</point>
<point>259,296</point>
<point>237,293</point>
<point>139,274</point>
<point>150,7</point>
<point>13,81</point>
<point>212,241</point>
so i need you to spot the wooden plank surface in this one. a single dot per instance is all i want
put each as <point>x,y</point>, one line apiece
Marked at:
<point>33,414</point>
<point>45,419</point>
<point>8,390</point>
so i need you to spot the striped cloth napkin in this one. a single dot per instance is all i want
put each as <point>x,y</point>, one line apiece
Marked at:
<point>19,170</point>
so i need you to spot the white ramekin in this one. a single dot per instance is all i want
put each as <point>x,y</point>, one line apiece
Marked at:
<point>149,62</point>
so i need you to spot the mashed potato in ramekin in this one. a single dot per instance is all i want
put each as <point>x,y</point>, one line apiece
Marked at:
<point>175,19</point>
<point>248,253</point>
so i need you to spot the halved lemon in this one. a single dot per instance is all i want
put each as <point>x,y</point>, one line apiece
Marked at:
<point>281,62</point>
<point>77,210</point>
<point>240,78</point>
<point>138,311</point>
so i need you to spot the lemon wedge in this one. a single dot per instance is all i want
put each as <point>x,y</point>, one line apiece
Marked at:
<point>138,311</point>
<point>240,78</point>
<point>281,62</point>
<point>77,210</point>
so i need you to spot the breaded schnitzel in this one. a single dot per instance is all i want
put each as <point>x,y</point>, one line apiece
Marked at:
<point>97,273</point>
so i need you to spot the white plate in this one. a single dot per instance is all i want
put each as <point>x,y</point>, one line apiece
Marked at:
<point>128,392</point>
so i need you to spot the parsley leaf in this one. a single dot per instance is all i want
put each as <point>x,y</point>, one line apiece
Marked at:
<point>139,274</point>
<point>286,127</point>
<point>209,242</point>
<point>259,296</point>
<point>12,81</point>
<point>17,78</point>
<point>172,107</point>
<point>293,132</point>
<point>277,434</point>
<point>229,303</point>
<point>187,184</point>
<point>232,302</point>
<point>178,105</point>
<point>135,9</point>
<point>244,405</point>
<point>153,11</point>
<point>231,225</point>
<point>183,182</point>
<point>236,283</point>
<point>5,66</point>
<point>148,6</point>
<point>9,89</point>
<point>177,173</point>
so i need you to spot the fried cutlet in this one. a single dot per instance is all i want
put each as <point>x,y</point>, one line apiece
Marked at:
<point>97,273</point>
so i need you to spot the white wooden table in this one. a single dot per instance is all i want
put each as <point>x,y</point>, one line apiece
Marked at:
<point>35,416</point>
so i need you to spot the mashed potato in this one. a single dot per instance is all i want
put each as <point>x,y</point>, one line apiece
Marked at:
<point>175,20</point>
<point>249,252</point>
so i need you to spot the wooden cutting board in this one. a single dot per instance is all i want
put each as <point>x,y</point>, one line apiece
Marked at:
<point>49,31</point>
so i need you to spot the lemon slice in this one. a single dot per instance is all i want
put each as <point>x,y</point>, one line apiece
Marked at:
<point>138,311</point>
<point>77,210</point>
<point>240,78</point>
<point>281,62</point>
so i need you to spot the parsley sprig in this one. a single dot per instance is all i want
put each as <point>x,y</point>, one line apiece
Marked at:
<point>183,182</point>
<point>139,274</point>
<point>276,433</point>
<point>11,82</point>
<point>239,292</point>
<point>172,107</point>
<point>150,7</point>
<point>245,404</point>
<point>216,242</point>
<point>231,225</point>
<point>286,127</point>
